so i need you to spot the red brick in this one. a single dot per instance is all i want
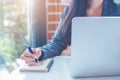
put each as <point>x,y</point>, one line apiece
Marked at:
<point>54,8</point>
<point>52,27</point>
<point>53,17</point>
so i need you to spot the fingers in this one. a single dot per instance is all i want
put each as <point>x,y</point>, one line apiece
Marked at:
<point>28,54</point>
<point>38,52</point>
<point>30,58</point>
<point>34,50</point>
<point>34,63</point>
<point>66,52</point>
<point>27,58</point>
<point>30,63</point>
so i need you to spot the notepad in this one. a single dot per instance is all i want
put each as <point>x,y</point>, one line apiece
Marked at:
<point>44,67</point>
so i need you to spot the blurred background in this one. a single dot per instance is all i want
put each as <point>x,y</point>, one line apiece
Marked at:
<point>13,28</point>
<point>17,19</point>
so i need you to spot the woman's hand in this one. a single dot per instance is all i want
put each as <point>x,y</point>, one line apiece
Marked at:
<point>67,52</point>
<point>30,58</point>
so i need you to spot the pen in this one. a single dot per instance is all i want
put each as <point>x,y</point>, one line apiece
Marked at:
<point>30,50</point>
<point>26,43</point>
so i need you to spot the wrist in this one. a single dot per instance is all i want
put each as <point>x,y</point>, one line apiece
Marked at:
<point>42,54</point>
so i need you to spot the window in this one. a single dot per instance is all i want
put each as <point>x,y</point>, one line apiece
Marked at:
<point>13,28</point>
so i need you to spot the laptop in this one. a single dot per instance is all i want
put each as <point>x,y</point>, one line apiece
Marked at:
<point>95,47</point>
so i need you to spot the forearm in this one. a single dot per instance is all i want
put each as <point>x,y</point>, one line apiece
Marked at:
<point>58,43</point>
<point>54,48</point>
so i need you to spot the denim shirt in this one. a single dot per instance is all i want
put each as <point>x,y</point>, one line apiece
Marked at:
<point>58,43</point>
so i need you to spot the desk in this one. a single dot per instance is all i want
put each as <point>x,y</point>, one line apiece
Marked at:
<point>58,71</point>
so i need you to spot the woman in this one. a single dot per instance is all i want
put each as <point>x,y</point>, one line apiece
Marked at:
<point>62,37</point>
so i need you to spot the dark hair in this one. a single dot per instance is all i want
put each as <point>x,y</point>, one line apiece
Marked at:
<point>76,8</point>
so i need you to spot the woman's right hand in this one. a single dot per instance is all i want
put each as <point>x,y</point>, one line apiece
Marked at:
<point>30,58</point>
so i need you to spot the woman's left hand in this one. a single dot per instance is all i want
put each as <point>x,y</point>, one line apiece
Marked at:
<point>67,52</point>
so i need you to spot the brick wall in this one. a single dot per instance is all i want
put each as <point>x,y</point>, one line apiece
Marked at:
<point>54,10</point>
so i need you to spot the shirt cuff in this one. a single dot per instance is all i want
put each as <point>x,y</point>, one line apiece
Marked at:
<point>41,57</point>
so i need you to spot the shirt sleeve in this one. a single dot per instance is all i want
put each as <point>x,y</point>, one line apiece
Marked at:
<point>57,44</point>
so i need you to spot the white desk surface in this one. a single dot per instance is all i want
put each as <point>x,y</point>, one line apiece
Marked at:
<point>58,71</point>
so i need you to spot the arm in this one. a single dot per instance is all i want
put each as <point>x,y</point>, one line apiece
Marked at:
<point>57,44</point>
<point>53,48</point>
